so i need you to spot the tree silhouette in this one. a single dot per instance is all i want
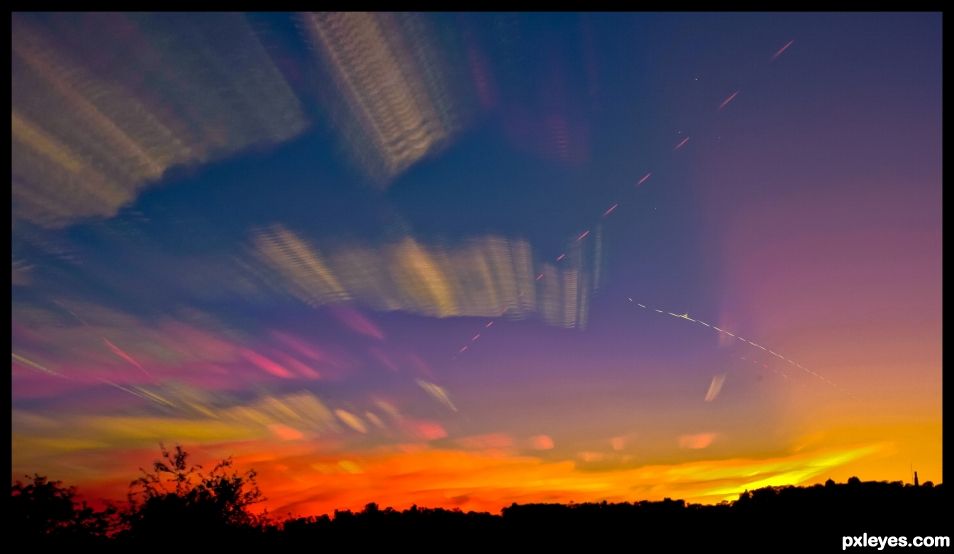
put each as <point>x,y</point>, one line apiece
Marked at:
<point>176,505</point>
<point>178,498</point>
<point>46,511</point>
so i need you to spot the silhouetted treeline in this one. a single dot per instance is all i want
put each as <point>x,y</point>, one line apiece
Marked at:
<point>175,503</point>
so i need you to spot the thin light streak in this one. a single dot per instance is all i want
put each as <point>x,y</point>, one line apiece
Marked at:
<point>782,50</point>
<point>730,98</point>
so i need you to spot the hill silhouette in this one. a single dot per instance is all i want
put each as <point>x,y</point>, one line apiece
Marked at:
<point>176,504</point>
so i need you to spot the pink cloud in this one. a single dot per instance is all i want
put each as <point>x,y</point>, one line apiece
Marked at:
<point>697,441</point>
<point>425,430</point>
<point>541,442</point>
<point>119,352</point>
<point>285,432</point>
<point>302,368</point>
<point>357,322</point>
<point>266,364</point>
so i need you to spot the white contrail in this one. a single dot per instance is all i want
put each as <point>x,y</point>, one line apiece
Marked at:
<point>776,354</point>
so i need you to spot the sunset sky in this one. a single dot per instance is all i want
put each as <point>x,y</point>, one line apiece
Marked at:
<point>468,260</point>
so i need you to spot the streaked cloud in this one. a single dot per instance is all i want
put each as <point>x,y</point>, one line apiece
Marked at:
<point>715,386</point>
<point>351,420</point>
<point>488,276</point>
<point>438,393</point>
<point>105,103</point>
<point>392,103</point>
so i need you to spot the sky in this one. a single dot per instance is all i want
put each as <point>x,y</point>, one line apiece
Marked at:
<point>465,260</point>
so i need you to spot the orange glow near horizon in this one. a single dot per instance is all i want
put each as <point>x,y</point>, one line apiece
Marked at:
<point>485,473</point>
<point>297,483</point>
